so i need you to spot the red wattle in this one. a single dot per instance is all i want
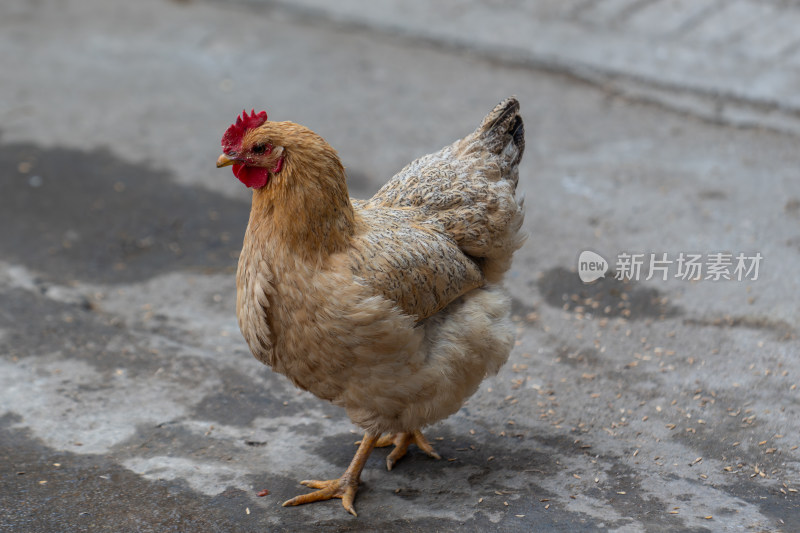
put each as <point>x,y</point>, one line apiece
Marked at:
<point>253,177</point>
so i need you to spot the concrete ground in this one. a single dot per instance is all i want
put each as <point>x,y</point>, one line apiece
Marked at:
<point>129,401</point>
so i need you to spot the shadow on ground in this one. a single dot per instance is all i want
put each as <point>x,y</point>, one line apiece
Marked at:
<point>91,216</point>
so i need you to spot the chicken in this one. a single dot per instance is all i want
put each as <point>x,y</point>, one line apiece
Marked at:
<point>393,307</point>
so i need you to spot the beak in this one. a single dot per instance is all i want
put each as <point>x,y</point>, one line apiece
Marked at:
<point>224,161</point>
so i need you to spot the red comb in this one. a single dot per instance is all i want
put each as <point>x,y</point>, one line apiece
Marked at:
<point>232,140</point>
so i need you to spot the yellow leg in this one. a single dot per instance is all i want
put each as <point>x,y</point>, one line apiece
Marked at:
<point>401,442</point>
<point>346,486</point>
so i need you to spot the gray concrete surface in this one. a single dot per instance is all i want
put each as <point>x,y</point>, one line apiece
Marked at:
<point>129,402</point>
<point>682,54</point>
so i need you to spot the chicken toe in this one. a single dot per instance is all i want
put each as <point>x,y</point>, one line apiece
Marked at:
<point>401,442</point>
<point>345,487</point>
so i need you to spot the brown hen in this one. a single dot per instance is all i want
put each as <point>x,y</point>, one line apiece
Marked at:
<point>392,307</point>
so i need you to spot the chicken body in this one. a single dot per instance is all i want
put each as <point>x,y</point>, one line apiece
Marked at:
<point>393,307</point>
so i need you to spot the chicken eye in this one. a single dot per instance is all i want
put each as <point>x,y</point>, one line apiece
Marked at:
<point>259,149</point>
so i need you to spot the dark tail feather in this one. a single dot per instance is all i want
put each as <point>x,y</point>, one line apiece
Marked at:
<point>518,135</point>
<point>501,115</point>
<point>503,125</point>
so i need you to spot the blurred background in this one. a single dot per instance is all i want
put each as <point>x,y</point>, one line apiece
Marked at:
<point>129,401</point>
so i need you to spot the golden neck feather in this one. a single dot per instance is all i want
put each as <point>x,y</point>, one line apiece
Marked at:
<point>305,208</point>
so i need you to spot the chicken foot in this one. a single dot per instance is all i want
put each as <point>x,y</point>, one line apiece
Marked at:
<point>401,442</point>
<point>346,486</point>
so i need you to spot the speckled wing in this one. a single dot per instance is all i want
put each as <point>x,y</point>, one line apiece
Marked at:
<point>467,190</point>
<point>410,263</point>
<point>463,173</point>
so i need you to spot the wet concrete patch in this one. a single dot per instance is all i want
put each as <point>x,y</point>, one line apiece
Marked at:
<point>630,499</point>
<point>240,399</point>
<point>621,488</point>
<point>44,490</point>
<point>505,474</point>
<point>36,325</point>
<point>165,439</point>
<point>606,297</point>
<point>550,521</point>
<point>91,216</point>
<point>732,434</point>
<point>784,509</point>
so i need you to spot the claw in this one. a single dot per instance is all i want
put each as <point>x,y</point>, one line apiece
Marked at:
<point>423,444</point>
<point>347,501</point>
